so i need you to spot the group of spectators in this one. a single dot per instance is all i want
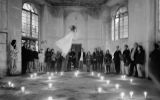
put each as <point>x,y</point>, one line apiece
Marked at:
<point>129,62</point>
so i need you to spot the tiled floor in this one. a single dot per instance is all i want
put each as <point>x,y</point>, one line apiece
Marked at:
<point>83,87</point>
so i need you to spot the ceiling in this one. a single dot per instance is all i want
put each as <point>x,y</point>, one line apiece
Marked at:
<point>76,2</point>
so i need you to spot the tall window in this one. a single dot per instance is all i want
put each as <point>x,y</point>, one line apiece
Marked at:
<point>158,15</point>
<point>30,26</point>
<point>120,24</point>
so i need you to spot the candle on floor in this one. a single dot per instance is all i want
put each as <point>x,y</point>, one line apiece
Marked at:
<point>76,74</point>
<point>49,78</point>
<point>47,73</point>
<point>108,82</point>
<point>31,76</point>
<point>92,73</point>
<point>145,94</point>
<point>50,85</point>
<point>35,74</point>
<point>62,73</point>
<point>22,89</point>
<point>98,74</point>
<point>122,95</point>
<point>117,86</point>
<point>131,80</point>
<point>102,78</point>
<point>50,98</point>
<point>99,90</point>
<point>123,77</point>
<point>9,83</point>
<point>12,85</point>
<point>131,94</point>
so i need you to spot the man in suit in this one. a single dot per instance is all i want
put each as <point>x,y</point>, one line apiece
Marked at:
<point>81,58</point>
<point>71,59</point>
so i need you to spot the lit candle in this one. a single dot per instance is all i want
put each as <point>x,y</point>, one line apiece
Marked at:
<point>102,78</point>
<point>131,94</point>
<point>98,74</point>
<point>35,74</point>
<point>50,85</point>
<point>56,72</point>
<point>76,74</point>
<point>23,89</point>
<point>12,85</point>
<point>131,80</point>
<point>108,82</point>
<point>123,77</point>
<point>49,78</point>
<point>31,76</point>
<point>62,73</point>
<point>92,73</point>
<point>50,98</point>
<point>122,95</point>
<point>117,86</point>
<point>145,94</point>
<point>99,89</point>
<point>9,83</point>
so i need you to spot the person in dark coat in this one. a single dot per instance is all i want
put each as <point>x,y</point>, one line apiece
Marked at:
<point>108,61</point>
<point>24,58</point>
<point>134,52</point>
<point>71,60</point>
<point>154,68</point>
<point>126,59</point>
<point>101,60</point>
<point>117,59</point>
<point>94,61</point>
<point>140,60</point>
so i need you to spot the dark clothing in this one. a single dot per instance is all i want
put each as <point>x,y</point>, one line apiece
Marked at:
<point>126,57</point>
<point>108,61</point>
<point>94,61</point>
<point>140,58</point>
<point>71,60</point>
<point>79,55</point>
<point>117,59</point>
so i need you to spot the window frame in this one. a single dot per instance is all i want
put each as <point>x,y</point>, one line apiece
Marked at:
<point>118,15</point>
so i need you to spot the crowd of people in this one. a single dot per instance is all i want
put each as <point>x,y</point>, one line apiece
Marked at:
<point>130,61</point>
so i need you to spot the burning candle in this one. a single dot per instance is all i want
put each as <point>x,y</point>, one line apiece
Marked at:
<point>35,74</point>
<point>108,82</point>
<point>49,78</point>
<point>92,73</point>
<point>50,85</point>
<point>131,80</point>
<point>9,83</point>
<point>145,94</point>
<point>123,77</point>
<point>31,76</point>
<point>99,89</point>
<point>22,89</point>
<point>131,94</point>
<point>76,74</point>
<point>102,78</point>
<point>12,85</point>
<point>50,98</point>
<point>98,74</point>
<point>122,95</point>
<point>117,86</point>
<point>62,73</point>
<point>47,73</point>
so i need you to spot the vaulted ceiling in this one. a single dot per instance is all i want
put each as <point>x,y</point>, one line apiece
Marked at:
<point>76,2</point>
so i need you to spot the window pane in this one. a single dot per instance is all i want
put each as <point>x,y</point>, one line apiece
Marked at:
<point>35,25</point>
<point>25,23</point>
<point>113,29</point>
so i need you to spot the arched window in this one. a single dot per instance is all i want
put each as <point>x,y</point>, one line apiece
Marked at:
<point>30,25</point>
<point>30,22</point>
<point>120,24</point>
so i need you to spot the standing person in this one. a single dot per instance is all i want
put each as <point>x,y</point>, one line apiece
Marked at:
<point>47,59</point>
<point>98,59</point>
<point>35,56</point>
<point>126,59</point>
<point>24,58</point>
<point>81,58</point>
<point>133,62</point>
<point>117,59</point>
<point>71,60</point>
<point>41,60</point>
<point>53,61</point>
<point>14,57</point>
<point>94,60</point>
<point>101,60</point>
<point>59,59</point>
<point>108,61</point>
<point>154,69</point>
<point>140,59</point>
<point>88,61</point>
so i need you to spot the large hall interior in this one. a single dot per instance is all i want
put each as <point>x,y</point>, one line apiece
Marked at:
<point>79,49</point>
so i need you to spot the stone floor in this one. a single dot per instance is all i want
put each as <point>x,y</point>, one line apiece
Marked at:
<point>83,87</point>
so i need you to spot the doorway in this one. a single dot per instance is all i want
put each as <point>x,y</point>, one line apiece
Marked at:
<point>77,48</point>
